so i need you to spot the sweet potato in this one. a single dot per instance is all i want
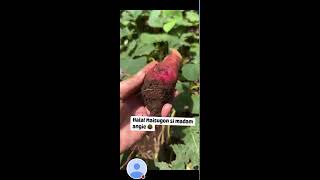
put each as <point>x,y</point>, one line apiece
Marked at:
<point>159,83</point>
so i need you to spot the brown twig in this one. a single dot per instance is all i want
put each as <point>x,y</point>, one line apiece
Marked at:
<point>156,147</point>
<point>148,89</point>
<point>128,158</point>
<point>168,129</point>
<point>168,134</point>
<point>162,135</point>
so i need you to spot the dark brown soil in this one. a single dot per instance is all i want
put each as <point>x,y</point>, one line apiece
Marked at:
<point>155,94</point>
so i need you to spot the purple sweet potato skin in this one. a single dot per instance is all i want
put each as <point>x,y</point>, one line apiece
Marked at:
<point>159,84</point>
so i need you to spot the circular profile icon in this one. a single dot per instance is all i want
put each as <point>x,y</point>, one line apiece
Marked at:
<point>137,168</point>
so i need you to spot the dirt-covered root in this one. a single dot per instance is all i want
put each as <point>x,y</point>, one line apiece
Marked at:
<point>155,95</point>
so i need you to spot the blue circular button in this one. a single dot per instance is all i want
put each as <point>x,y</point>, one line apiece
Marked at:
<point>136,168</point>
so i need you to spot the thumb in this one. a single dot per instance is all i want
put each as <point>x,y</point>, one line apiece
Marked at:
<point>131,85</point>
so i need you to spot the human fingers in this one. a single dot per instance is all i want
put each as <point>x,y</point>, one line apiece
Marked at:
<point>166,109</point>
<point>131,85</point>
<point>128,137</point>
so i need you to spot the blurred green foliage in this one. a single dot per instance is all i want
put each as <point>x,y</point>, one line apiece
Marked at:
<point>148,34</point>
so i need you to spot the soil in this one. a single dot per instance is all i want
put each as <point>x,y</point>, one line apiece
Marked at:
<point>155,94</point>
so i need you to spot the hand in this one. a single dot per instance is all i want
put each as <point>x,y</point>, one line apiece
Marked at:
<point>131,104</point>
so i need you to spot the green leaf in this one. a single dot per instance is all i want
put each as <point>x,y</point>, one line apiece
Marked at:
<point>181,154</point>
<point>147,38</point>
<point>124,56</point>
<point>163,165</point>
<point>196,50</point>
<point>176,43</point>
<point>195,104</point>
<point>172,13</point>
<point>178,165</point>
<point>126,15</point>
<point>173,41</point>
<point>192,141</point>
<point>169,25</point>
<point>131,46</point>
<point>191,71</point>
<point>143,49</point>
<point>124,22</point>
<point>135,13</point>
<point>124,32</point>
<point>121,155</point>
<point>192,16</point>
<point>183,102</point>
<point>177,16</point>
<point>182,21</point>
<point>155,19</point>
<point>132,66</point>
<point>196,59</point>
<point>190,150</point>
<point>187,35</point>
<point>182,86</point>
<point>125,18</point>
<point>177,132</point>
